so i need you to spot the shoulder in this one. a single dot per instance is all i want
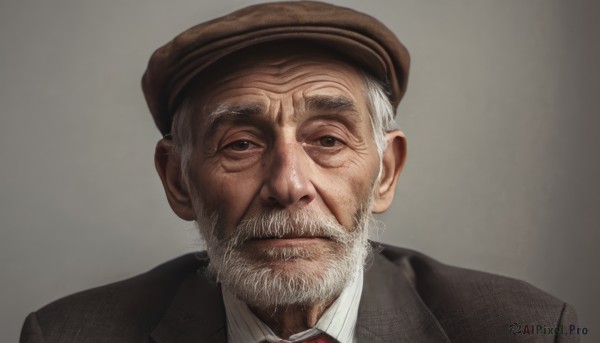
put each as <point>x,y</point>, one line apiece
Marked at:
<point>467,302</point>
<point>128,309</point>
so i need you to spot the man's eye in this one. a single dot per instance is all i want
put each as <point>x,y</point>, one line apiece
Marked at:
<point>328,141</point>
<point>241,145</point>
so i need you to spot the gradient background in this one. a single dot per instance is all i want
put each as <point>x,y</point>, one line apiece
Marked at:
<point>502,116</point>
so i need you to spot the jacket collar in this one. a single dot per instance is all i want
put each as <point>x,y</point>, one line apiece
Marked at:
<point>390,309</point>
<point>196,314</point>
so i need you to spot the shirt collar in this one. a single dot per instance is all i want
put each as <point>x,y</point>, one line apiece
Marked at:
<point>338,321</point>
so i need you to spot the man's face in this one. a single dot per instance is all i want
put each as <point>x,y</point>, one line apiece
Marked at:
<point>284,164</point>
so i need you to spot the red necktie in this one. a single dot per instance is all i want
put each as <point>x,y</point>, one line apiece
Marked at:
<point>320,338</point>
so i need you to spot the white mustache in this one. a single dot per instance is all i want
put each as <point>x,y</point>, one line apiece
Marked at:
<point>283,223</point>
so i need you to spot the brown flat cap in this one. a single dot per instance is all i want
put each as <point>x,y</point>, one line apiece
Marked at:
<point>360,37</point>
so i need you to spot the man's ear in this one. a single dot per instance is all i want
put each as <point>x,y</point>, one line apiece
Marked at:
<point>391,166</point>
<point>168,165</point>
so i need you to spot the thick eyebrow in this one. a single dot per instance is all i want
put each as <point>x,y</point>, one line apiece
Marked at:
<point>228,112</point>
<point>326,103</point>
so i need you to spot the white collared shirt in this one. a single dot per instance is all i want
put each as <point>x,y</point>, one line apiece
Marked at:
<point>338,321</point>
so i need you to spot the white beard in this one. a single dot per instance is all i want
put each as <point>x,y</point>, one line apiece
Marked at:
<point>284,276</point>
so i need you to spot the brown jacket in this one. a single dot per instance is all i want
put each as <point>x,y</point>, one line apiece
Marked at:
<point>407,297</point>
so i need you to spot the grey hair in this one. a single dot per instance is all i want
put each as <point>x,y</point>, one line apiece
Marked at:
<point>381,114</point>
<point>381,111</point>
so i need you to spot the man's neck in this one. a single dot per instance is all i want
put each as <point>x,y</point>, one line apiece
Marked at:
<point>288,320</point>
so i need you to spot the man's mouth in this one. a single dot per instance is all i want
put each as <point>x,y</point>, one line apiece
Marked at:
<point>285,241</point>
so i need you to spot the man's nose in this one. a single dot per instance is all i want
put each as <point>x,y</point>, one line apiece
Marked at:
<point>287,178</point>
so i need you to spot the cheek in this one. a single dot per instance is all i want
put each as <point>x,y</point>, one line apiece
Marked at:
<point>345,189</point>
<point>229,195</point>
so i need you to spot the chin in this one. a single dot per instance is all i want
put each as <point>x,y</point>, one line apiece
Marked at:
<point>284,276</point>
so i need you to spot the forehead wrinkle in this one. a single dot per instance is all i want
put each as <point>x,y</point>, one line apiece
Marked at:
<point>257,70</point>
<point>293,74</point>
<point>282,78</point>
<point>286,65</point>
<point>265,89</point>
<point>339,87</point>
<point>311,83</point>
<point>286,72</point>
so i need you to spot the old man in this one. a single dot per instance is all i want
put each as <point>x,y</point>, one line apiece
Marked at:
<point>279,140</point>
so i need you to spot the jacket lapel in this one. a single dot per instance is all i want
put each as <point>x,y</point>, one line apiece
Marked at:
<point>196,314</point>
<point>390,308</point>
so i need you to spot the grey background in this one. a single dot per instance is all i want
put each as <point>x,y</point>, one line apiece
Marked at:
<point>502,117</point>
